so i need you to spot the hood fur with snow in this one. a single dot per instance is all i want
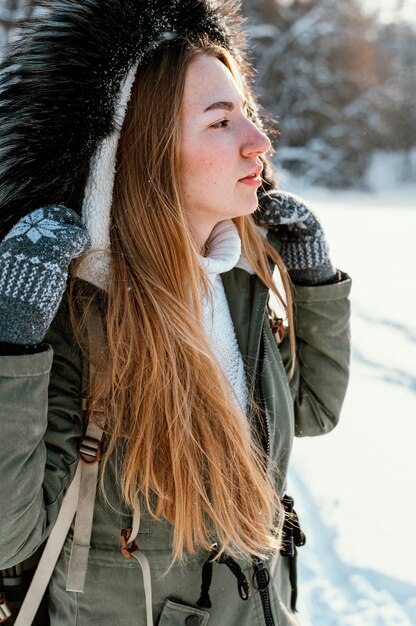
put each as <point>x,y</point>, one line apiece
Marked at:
<point>61,89</point>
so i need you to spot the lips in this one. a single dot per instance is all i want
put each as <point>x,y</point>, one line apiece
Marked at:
<point>253,174</point>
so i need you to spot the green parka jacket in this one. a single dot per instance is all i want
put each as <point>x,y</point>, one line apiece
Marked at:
<point>41,426</point>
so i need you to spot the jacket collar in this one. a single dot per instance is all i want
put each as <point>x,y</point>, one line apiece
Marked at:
<point>247,298</point>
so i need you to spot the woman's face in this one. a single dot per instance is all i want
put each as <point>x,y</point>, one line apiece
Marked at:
<point>220,167</point>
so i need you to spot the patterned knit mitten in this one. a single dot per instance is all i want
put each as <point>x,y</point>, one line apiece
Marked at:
<point>304,249</point>
<point>34,262</point>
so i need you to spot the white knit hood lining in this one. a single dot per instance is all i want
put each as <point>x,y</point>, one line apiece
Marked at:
<point>97,203</point>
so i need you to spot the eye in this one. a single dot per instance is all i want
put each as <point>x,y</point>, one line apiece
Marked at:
<point>220,124</point>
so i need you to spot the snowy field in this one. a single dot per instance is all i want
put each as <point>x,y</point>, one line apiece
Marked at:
<point>354,488</point>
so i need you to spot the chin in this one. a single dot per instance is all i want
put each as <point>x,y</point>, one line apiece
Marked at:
<point>250,209</point>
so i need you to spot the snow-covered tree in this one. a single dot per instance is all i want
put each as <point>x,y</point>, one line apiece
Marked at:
<point>340,83</point>
<point>323,71</point>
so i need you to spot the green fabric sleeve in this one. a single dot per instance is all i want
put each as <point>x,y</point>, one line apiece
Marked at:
<point>41,424</point>
<point>320,381</point>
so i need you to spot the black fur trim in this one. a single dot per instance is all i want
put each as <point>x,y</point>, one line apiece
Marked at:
<point>59,81</point>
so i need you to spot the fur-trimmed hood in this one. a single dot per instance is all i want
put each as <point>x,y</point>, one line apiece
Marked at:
<point>61,88</point>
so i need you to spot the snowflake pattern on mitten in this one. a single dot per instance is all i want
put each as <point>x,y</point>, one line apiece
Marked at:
<point>34,262</point>
<point>34,226</point>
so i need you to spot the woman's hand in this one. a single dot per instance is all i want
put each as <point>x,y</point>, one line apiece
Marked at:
<point>34,263</point>
<point>304,249</point>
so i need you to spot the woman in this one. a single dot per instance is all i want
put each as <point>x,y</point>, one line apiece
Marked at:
<point>197,402</point>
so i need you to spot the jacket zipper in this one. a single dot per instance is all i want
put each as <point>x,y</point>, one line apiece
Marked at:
<point>261,573</point>
<point>266,419</point>
<point>262,577</point>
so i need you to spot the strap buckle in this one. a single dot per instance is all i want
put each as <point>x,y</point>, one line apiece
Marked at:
<point>126,548</point>
<point>276,325</point>
<point>5,611</point>
<point>90,450</point>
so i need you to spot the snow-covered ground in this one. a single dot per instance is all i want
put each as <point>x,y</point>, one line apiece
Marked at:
<point>355,488</point>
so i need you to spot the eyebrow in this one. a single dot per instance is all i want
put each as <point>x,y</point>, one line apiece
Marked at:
<point>223,104</point>
<point>228,106</point>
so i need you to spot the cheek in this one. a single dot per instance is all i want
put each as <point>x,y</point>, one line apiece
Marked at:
<point>206,159</point>
<point>198,156</point>
<point>201,175</point>
<point>217,176</point>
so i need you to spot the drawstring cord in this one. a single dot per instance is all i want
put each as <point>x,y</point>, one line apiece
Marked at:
<point>243,586</point>
<point>204,601</point>
<point>293,537</point>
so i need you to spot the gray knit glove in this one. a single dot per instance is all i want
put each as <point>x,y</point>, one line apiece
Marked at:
<point>34,262</point>
<point>304,249</point>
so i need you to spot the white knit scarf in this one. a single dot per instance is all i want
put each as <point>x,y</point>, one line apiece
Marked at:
<point>223,253</point>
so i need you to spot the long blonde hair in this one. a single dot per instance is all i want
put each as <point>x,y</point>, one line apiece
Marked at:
<point>186,448</point>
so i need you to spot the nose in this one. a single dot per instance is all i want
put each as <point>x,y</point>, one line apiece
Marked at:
<point>255,142</point>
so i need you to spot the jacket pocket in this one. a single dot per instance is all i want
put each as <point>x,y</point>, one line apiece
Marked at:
<point>175,614</point>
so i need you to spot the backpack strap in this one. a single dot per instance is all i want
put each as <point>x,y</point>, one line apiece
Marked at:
<point>90,451</point>
<point>75,497</point>
<point>89,457</point>
<point>80,500</point>
<point>130,549</point>
<point>50,554</point>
